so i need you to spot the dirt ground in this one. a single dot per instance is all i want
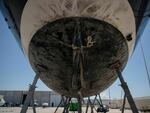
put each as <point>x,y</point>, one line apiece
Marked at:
<point>49,110</point>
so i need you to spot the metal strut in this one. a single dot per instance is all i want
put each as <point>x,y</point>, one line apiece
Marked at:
<point>66,107</point>
<point>80,105</point>
<point>124,102</point>
<point>91,104</point>
<point>100,102</point>
<point>59,104</point>
<point>30,96</point>
<point>127,92</point>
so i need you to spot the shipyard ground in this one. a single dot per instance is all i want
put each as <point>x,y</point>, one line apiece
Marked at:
<point>50,110</point>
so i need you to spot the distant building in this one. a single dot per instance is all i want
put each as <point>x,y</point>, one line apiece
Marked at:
<point>53,99</point>
<point>18,97</point>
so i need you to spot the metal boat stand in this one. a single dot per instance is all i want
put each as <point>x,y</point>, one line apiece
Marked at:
<point>123,105</point>
<point>116,68</point>
<point>66,101</point>
<point>127,93</point>
<point>100,102</point>
<point>62,100</point>
<point>30,96</point>
<point>66,105</point>
<point>91,104</point>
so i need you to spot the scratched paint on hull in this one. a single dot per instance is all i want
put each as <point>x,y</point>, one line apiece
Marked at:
<point>51,54</point>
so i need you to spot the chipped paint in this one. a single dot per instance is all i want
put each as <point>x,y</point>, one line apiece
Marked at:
<point>52,52</point>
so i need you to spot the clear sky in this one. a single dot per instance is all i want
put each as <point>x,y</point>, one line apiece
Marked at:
<point>16,73</point>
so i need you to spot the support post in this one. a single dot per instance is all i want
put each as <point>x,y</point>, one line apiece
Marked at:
<point>33,106</point>
<point>127,92</point>
<point>66,107</point>
<point>92,104</point>
<point>100,99</point>
<point>80,105</point>
<point>59,105</point>
<point>30,94</point>
<point>87,105</point>
<point>124,102</point>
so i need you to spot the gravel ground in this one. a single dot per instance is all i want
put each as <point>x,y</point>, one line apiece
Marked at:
<point>48,110</point>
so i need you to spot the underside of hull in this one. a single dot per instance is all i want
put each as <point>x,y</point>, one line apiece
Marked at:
<point>74,55</point>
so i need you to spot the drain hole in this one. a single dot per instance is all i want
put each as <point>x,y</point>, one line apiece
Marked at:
<point>129,37</point>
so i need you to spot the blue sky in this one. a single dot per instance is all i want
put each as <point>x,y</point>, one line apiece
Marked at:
<point>16,73</point>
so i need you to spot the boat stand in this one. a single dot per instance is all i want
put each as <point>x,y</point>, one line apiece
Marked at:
<point>66,105</point>
<point>30,96</point>
<point>127,93</point>
<point>92,104</point>
<point>116,67</point>
<point>62,100</point>
<point>66,101</point>
<point>123,105</point>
